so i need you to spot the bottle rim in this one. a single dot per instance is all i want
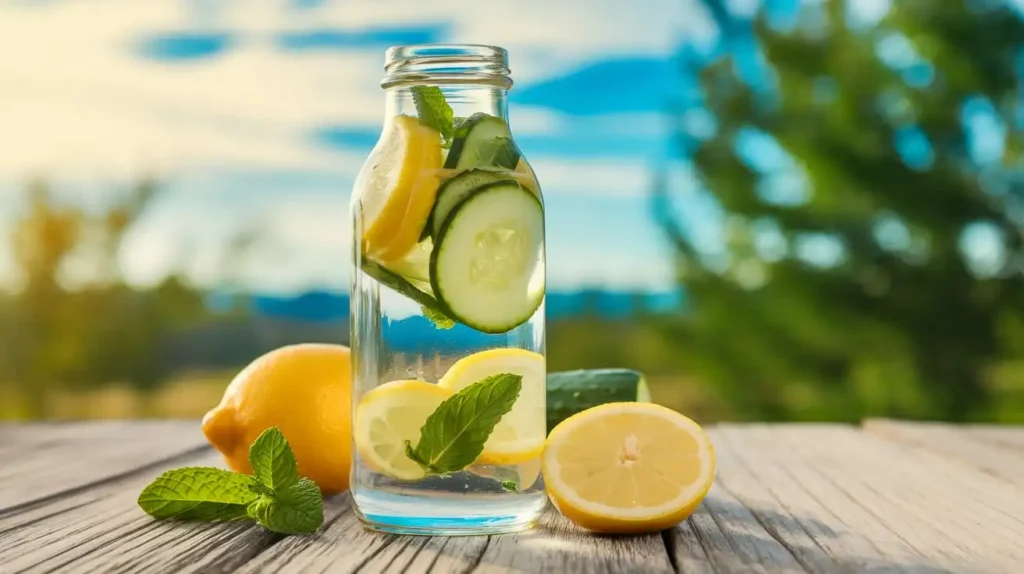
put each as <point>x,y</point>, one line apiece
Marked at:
<point>436,64</point>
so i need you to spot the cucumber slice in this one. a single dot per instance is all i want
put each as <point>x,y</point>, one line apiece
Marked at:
<point>487,268</point>
<point>483,140</point>
<point>399,284</point>
<point>453,191</point>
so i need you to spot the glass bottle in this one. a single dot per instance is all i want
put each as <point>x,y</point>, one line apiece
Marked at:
<point>447,324</point>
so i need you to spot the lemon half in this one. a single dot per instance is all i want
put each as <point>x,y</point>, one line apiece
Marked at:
<point>628,467</point>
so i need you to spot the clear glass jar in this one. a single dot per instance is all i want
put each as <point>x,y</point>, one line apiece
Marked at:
<point>447,318</point>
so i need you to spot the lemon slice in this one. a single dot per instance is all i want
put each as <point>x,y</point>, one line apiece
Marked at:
<point>519,435</point>
<point>388,416</point>
<point>401,188</point>
<point>628,467</point>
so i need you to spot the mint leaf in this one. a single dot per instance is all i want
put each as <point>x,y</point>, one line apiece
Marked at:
<point>273,463</point>
<point>460,127</point>
<point>510,486</point>
<point>439,319</point>
<point>433,110</point>
<point>297,509</point>
<point>197,493</point>
<point>454,434</point>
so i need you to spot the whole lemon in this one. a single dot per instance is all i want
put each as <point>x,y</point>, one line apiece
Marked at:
<point>305,391</point>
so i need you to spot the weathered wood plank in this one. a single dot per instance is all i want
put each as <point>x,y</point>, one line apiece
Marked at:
<point>825,530</point>
<point>919,511</point>
<point>100,528</point>
<point>45,460</point>
<point>788,498</point>
<point>727,535</point>
<point>995,451</point>
<point>558,546</point>
<point>344,545</point>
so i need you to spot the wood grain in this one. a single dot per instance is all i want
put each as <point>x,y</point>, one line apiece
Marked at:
<point>919,510</point>
<point>557,546</point>
<point>894,497</point>
<point>39,461</point>
<point>995,451</point>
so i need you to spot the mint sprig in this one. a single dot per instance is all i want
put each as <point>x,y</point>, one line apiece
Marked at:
<point>198,493</point>
<point>274,496</point>
<point>434,111</point>
<point>437,317</point>
<point>453,436</point>
<point>272,461</point>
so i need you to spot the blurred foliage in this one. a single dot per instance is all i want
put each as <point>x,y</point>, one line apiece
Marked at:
<point>73,323</point>
<point>851,281</point>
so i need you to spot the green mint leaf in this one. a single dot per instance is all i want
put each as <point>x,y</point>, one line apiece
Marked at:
<point>260,489</point>
<point>197,493</point>
<point>460,127</point>
<point>439,319</point>
<point>508,478</point>
<point>433,110</point>
<point>272,460</point>
<point>410,451</point>
<point>297,509</point>
<point>454,434</point>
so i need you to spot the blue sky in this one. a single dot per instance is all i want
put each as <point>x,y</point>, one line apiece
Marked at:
<point>259,113</point>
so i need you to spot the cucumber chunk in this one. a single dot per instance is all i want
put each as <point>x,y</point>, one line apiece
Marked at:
<point>571,392</point>
<point>487,268</point>
<point>482,140</point>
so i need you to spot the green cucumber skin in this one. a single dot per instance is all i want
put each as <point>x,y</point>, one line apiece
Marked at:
<point>506,156</point>
<point>571,392</point>
<point>438,246</point>
<point>437,216</point>
<point>397,283</point>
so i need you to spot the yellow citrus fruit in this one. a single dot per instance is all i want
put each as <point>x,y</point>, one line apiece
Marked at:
<point>401,189</point>
<point>519,435</point>
<point>388,416</point>
<point>305,391</point>
<point>628,467</point>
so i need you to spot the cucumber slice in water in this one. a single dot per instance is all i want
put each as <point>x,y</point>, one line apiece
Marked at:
<point>453,191</point>
<point>485,140</point>
<point>487,268</point>
<point>399,284</point>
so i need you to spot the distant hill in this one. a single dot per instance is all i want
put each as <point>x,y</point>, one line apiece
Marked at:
<point>271,321</point>
<point>324,306</point>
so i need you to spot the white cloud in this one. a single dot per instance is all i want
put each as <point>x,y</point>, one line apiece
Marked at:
<point>75,99</point>
<point>78,104</point>
<point>619,270</point>
<point>593,177</point>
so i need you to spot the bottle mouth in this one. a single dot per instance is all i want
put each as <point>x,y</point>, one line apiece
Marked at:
<point>446,64</point>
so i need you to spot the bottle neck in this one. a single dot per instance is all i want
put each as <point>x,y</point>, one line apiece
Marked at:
<point>465,100</point>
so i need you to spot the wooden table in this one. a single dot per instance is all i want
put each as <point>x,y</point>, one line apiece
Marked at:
<point>887,496</point>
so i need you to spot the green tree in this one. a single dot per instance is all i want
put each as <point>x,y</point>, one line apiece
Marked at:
<point>40,350</point>
<point>73,321</point>
<point>872,267</point>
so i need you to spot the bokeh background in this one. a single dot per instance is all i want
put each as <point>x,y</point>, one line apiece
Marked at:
<point>776,209</point>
